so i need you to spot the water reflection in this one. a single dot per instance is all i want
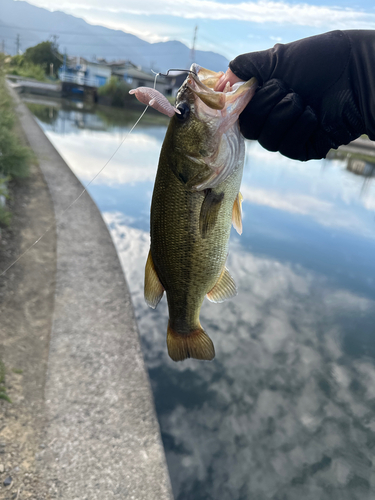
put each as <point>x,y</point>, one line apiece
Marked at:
<point>286,410</point>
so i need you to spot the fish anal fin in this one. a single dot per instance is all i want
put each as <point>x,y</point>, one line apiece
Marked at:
<point>196,344</point>
<point>209,211</point>
<point>237,213</point>
<point>224,289</point>
<point>153,288</point>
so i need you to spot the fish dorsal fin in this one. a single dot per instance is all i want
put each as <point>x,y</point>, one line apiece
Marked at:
<point>209,211</point>
<point>195,344</point>
<point>237,213</point>
<point>153,288</point>
<point>224,289</point>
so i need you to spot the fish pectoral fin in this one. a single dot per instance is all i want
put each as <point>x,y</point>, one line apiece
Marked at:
<point>153,288</point>
<point>196,344</point>
<point>224,289</point>
<point>237,213</point>
<point>209,211</point>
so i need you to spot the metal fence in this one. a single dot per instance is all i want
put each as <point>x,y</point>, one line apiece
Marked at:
<point>78,79</point>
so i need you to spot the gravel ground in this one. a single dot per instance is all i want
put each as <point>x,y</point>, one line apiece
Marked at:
<point>24,336</point>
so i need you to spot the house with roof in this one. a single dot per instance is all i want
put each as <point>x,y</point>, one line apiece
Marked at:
<point>137,77</point>
<point>80,71</point>
<point>84,72</point>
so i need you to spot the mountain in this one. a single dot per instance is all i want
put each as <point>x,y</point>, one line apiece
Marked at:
<point>78,38</point>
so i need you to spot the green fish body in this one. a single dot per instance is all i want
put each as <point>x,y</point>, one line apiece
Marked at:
<point>195,201</point>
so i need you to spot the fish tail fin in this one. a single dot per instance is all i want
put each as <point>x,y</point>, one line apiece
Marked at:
<point>196,344</point>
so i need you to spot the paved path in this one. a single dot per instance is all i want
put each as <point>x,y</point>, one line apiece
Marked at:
<point>102,436</point>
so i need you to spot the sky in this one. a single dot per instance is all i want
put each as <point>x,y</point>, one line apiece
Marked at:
<point>228,27</point>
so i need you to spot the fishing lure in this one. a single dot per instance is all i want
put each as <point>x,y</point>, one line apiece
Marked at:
<point>155,99</point>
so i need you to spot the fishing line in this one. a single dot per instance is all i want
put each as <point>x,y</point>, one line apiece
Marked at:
<point>57,221</point>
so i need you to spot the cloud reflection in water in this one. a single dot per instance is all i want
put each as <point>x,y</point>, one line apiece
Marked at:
<point>283,412</point>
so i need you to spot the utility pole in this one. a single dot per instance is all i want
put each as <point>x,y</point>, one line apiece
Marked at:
<point>54,42</point>
<point>17,44</point>
<point>192,52</point>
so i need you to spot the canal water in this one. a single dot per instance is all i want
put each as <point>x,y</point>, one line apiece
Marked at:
<point>287,408</point>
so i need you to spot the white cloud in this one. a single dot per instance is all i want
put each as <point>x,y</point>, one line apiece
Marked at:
<point>322,190</point>
<point>262,12</point>
<point>282,394</point>
<point>124,167</point>
<point>323,212</point>
<point>292,203</point>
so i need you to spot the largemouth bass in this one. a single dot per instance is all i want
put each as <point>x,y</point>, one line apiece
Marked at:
<point>196,198</point>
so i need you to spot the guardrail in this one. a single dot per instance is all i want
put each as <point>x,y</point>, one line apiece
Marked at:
<point>78,79</point>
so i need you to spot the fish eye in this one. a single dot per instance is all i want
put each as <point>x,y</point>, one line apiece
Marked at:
<point>184,109</point>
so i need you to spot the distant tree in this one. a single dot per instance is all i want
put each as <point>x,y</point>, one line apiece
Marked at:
<point>117,91</point>
<point>44,54</point>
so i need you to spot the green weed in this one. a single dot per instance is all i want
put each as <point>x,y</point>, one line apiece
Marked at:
<point>3,394</point>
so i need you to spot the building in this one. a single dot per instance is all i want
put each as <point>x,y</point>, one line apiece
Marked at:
<point>83,72</point>
<point>137,77</point>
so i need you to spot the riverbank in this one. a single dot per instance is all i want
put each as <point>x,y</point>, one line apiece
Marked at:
<point>29,88</point>
<point>98,436</point>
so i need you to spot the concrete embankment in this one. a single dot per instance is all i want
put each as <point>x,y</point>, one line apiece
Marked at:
<point>102,438</point>
<point>25,85</point>
<point>360,146</point>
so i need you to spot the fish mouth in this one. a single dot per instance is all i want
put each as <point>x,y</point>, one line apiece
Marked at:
<point>202,82</point>
<point>220,111</point>
<point>205,77</point>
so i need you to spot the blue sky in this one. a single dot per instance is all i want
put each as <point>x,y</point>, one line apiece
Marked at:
<point>229,27</point>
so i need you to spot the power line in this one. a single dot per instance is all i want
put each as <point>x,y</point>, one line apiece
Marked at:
<point>79,33</point>
<point>112,35</point>
<point>121,34</point>
<point>67,44</point>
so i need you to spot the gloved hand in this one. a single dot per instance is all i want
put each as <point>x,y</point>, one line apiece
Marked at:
<point>315,94</point>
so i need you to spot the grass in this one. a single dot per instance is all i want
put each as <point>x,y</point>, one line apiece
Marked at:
<point>5,215</point>
<point>29,71</point>
<point>14,157</point>
<point>3,394</point>
<point>20,66</point>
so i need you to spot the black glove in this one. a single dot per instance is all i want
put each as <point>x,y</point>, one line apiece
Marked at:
<point>315,94</point>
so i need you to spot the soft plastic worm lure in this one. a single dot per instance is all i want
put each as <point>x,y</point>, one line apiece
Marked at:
<point>155,99</point>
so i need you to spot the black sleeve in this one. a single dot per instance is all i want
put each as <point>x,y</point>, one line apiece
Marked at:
<point>315,94</point>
